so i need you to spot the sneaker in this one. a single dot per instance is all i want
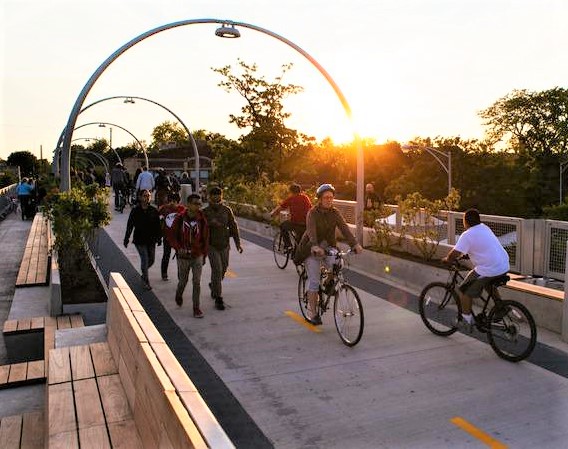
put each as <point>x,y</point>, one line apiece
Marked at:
<point>179,300</point>
<point>316,320</point>
<point>465,327</point>
<point>197,313</point>
<point>219,304</point>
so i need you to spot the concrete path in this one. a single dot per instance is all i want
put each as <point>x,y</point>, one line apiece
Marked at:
<point>401,387</point>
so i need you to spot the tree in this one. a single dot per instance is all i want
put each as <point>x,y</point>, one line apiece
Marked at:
<point>168,132</point>
<point>535,124</point>
<point>25,160</point>
<point>269,144</point>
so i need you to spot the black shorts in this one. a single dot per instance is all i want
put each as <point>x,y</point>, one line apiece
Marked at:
<point>473,284</point>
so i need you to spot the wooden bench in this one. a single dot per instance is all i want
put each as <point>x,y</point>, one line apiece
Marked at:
<point>36,261</point>
<point>22,431</point>
<point>129,391</point>
<point>516,284</point>
<point>30,372</point>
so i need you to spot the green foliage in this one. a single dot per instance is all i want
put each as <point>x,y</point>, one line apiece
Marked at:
<point>27,162</point>
<point>76,213</point>
<point>383,238</point>
<point>420,220</point>
<point>8,178</point>
<point>559,212</point>
<point>167,132</point>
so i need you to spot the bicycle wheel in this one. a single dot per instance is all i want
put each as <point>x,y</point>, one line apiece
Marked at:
<point>348,315</point>
<point>511,331</point>
<point>439,308</point>
<point>281,255</point>
<point>303,294</point>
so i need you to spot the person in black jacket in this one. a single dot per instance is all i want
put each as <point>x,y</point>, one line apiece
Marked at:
<point>144,220</point>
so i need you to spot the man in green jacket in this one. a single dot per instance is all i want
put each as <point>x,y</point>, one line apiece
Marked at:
<point>222,226</point>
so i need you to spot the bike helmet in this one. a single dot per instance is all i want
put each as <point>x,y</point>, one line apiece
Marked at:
<point>324,188</point>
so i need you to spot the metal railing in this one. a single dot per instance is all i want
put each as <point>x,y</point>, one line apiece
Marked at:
<point>536,247</point>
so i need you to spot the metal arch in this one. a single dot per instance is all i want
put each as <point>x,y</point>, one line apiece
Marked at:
<point>119,127</point>
<point>65,179</point>
<point>190,135</point>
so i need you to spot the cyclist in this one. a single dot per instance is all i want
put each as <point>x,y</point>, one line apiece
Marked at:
<point>299,204</point>
<point>489,258</point>
<point>321,223</point>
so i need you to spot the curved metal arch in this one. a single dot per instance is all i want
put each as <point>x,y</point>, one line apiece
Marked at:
<point>189,134</point>
<point>65,180</point>
<point>119,127</point>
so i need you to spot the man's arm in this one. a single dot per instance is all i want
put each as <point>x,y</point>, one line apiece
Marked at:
<point>452,256</point>
<point>234,230</point>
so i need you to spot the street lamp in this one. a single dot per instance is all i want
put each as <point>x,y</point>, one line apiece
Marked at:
<point>562,170</point>
<point>436,154</point>
<point>102,125</point>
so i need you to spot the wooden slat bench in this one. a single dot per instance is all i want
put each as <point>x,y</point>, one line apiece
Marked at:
<point>135,395</point>
<point>19,374</point>
<point>38,324</point>
<point>36,261</point>
<point>22,431</point>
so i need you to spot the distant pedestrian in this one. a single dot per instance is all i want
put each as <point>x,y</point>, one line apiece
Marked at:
<point>118,183</point>
<point>372,199</point>
<point>24,190</point>
<point>190,237</point>
<point>144,220</point>
<point>145,181</point>
<point>222,226</point>
<point>167,215</point>
<point>163,187</point>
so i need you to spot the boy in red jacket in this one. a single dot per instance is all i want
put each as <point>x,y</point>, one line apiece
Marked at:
<point>190,239</point>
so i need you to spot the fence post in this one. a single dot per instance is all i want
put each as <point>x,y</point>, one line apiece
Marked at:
<point>564,335</point>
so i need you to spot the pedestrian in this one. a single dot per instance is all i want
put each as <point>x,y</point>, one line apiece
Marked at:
<point>117,180</point>
<point>24,190</point>
<point>145,181</point>
<point>189,238</point>
<point>144,220</point>
<point>222,226</point>
<point>372,199</point>
<point>163,187</point>
<point>167,215</point>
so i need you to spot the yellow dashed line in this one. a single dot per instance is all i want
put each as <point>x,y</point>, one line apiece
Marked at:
<point>302,321</point>
<point>477,433</point>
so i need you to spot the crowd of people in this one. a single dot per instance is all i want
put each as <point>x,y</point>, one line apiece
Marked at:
<point>30,194</point>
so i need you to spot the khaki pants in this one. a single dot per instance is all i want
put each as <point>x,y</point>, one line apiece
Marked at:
<point>195,264</point>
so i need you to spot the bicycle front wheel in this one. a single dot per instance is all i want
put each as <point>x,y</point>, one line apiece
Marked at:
<point>348,315</point>
<point>511,331</point>
<point>281,255</point>
<point>439,308</point>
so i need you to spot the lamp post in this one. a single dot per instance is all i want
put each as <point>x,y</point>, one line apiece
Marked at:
<point>436,154</point>
<point>102,125</point>
<point>227,30</point>
<point>562,170</point>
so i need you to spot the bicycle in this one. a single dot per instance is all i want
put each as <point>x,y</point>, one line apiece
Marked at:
<point>510,327</point>
<point>122,200</point>
<point>347,306</point>
<point>282,252</point>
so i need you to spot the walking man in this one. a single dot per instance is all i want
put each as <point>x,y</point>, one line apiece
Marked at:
<point>190,239</point>
<point>222,226</point>
<point>144,220</point>
<point>168,213</point>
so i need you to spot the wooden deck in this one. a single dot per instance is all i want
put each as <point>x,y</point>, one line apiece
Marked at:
<point>22,431</point>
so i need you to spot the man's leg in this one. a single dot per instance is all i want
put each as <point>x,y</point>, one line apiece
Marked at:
<point>196,267</point>
<point>116,194</point>
<point>286,227</point>
<point>143,253</point>
<point>183,274</point>
<point>216,272</point>
<point>151,254</point>
<point>224,261</point>
<point>165,259</point>
<point>313,265</point>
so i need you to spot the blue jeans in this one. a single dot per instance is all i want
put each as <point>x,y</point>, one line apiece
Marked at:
<point>147,252</point>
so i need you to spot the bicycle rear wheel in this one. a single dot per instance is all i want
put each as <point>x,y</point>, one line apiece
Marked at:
<point>511,331</point>
<point>348,315</point>
<point>303,294</point>
<point>281,255</point>
<point>439,308</point>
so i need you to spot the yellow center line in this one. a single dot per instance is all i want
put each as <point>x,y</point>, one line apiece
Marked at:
<point>477,433</point>
<point>302,321</point>
<point>230,274</point>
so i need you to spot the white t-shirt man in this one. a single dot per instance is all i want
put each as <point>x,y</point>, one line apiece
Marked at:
<point>488,256</point>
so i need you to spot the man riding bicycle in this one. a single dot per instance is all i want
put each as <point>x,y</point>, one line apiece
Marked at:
<point>489,258</point>
<point>298,204</point>
<point>321,222</point>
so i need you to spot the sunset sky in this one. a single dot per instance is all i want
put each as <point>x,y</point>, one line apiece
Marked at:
<point>407,67</point>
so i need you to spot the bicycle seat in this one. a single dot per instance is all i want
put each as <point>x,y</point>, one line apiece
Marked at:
<point>501,280</point>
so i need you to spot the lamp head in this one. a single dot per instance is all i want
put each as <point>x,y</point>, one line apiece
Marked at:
<point>129,100</point>
<point>228,31</point>
<point>102,125</point>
